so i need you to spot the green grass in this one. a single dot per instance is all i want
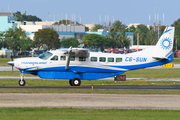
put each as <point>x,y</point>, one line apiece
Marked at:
<point>154,73</point>
<point>176,60</point>
<point>95,91</point>
<point>86,114</point>
<point>3,61</point>
<point>13,82</point>
<point>87,83</point>
<point>141,73</point>
<point>14,74</point>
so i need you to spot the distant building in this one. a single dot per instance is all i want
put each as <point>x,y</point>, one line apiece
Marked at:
<point>63,30</point>
<point>7,21</point>
<point>90,26</point>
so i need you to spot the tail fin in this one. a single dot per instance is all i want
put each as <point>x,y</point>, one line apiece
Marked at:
<point>164,47</point>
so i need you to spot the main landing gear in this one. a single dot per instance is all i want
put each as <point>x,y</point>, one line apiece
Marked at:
<point>22,82</point>
<point>75,82</point>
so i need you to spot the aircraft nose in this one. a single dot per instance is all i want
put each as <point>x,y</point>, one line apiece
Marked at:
<point>11,63</point>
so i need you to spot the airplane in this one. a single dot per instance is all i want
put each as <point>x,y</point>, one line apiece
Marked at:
<point>78,64</point>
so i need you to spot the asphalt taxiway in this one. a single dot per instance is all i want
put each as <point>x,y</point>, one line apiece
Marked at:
<point>172,87</point>
<point>97,101</point>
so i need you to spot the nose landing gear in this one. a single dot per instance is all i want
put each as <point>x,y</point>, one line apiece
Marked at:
<point>22,82</point>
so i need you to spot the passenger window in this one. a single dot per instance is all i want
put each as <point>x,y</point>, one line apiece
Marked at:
<point>102,59</point>
<point>82,58</point>
<point>110,59</point>
<point>55,58</point>
<point>93,59</point>
<point>118,59</point>
<point>72,58</point>
<point>63,58</point>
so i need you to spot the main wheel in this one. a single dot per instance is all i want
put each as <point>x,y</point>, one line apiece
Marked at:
<point>22,82</point>
<point>76,82</point>
<point>70,82</point>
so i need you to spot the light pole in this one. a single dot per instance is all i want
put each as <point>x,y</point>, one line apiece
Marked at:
<point>137,41</point>
<point>176,42</point>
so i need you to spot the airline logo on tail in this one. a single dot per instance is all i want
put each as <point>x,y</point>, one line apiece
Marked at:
<point>166,31</point>
<point>166,43</point>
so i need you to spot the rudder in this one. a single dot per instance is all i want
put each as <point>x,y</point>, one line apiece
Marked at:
<point>164,47</point>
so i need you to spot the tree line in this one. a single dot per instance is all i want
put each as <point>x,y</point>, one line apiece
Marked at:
<point>15,39</point>
<point>47,38</point>
<point>147,36</point>
<point>24,17</point>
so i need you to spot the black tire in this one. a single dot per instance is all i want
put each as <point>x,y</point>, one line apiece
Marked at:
<point>70,82</point>
<point>76,82</point>
<point>22,82</point>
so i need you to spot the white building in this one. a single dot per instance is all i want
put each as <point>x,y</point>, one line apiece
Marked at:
<point>63,30</point>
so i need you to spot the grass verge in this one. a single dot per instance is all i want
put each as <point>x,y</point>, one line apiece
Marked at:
<point>153,73</point>
<point>14,82</point>
<point>86,114</point>
<point>3,61</point>
<point>95,91</point>
<point>87,83</point>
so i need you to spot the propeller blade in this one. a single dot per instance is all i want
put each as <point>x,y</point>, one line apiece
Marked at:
<point>12,68</point>
<point>11,58</point>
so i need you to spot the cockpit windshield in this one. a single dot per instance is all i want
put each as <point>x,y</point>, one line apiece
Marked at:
<point>45,55</point>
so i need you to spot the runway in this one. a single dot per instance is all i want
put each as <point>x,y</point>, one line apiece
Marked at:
<point>97,101</point>
<point>169,87</point>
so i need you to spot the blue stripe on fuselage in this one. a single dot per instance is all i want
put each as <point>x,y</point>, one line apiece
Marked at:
<point>107,70</point>
<point>132,67</point>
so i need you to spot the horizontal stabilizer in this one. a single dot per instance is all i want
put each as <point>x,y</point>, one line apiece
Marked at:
<point>159,58</point>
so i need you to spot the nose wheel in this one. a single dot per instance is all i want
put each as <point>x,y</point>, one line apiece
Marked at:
<point>22,82</point>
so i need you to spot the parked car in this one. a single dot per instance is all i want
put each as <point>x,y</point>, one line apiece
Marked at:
<point>24,53</point>
<point>36,54</point>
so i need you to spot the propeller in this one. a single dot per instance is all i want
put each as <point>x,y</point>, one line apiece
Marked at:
<point>12,64</point>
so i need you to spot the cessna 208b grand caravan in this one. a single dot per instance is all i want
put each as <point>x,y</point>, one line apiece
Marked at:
<point>78,64</point>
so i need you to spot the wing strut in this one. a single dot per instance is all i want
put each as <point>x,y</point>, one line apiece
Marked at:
<point>77,52</point>
<point>69,56</point>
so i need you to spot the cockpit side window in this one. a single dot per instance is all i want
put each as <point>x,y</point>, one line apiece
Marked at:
<point>55,58</point>
<point>45,55</point>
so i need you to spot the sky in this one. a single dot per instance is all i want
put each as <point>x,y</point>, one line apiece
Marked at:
<point>94,11</point>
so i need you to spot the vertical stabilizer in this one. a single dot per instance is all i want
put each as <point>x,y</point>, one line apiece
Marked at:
<point>164,47</point>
